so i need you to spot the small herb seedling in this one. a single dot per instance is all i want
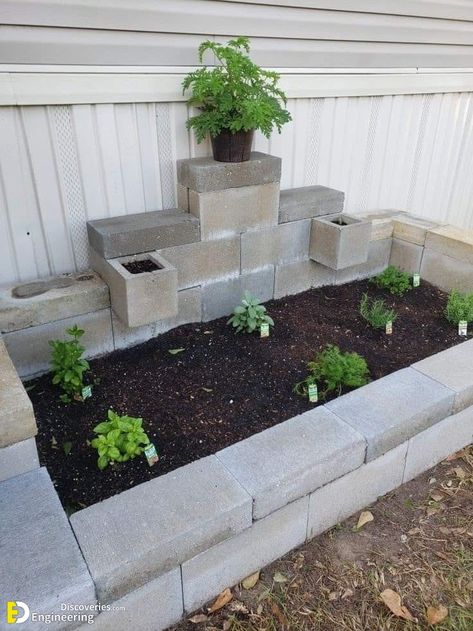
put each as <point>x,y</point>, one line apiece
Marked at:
<point>119,438</point>
<point>459,308</point>
<point>376,313</point>
<point>250,315</point>
<point>68,366</point>
<point>394,280</point>
<point>334,370</point>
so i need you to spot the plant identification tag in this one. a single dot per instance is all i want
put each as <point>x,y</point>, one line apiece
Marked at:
<point>264,329</point>
<point>151,454</point>
<point>416,280</point>
<point>389,327</point>
<point>86,392</point>
<point>313,393</point>
<point>463,328</point>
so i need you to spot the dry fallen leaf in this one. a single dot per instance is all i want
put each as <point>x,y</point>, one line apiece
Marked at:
<point>365,517</point>
<point>227,625</point>
<point>460,473</point>
<point>223,598</point>
<point>279,578</point>
<point>437,497</point>
<point>436,614</point>
<point>347,593</point>
<point>250,581</point>
<point>276,611</point>
<point>392,600</point>
<point>200,617</point>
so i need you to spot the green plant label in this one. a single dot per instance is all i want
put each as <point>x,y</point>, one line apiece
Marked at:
<point>86,392</point>
<point>264,329</point>
<point>416,280</point>
<point>313,393</point>
<point>389,327</point>
<point>151,454</point>
<point>463,328</point>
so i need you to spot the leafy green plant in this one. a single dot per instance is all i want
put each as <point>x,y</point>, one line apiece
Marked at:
<point>394,280</point>
<point>375,312</point>
<point>250,315</point>
<point>68,366</point>
<point>459,307</point>
<point>119,438</point>
<point>236,94</point>
<point>334,370</point>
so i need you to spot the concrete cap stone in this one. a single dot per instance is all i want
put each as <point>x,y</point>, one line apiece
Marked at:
<point>412,229</point>
<point>309,201</point>
<point>41,561</point>
<point>145,531</point>
<point>293,458</point>
<point>205,174</point>
<point>142,232</point>
<point>85,293</point>
<point>390,410</point>
<point>452,368</point>
<point>17,420</point>
<point>451,241</point>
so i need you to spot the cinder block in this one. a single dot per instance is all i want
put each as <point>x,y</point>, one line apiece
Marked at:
<point>46,567</point>
<point>219,299</point>
<point>205,174</point>
<point>390,410</point>
<point>17,420</point>
<point>412,229</point>
<point>142,232</point>
<point>87,293</point>
<point>281,244</point>
<point>133,537</point>
<point>224,565</point>
<point>451,241</point>
<point>153,607</point>
<point>183,198</point>
<point>139,299</point>
<point>30,351</point>
<point>18,458</point>
<point>291,459</point>
<point>452,368</point>
<point>189,310</point>
<point>340,499</point>
<point>309,201</point>
<point>293,278</point>
<point>445,272</point>
<point>339,241</point>
<point>204,262</point>
<point>235,210</point>
<point>406,256</point>
<point>381,222</point>
<point>379,252</point>
<point>436,443</point>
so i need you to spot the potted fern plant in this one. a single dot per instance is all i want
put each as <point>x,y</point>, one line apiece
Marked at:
<point>234,98</point>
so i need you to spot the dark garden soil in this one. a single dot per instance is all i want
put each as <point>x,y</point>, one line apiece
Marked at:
<point>222,387</point>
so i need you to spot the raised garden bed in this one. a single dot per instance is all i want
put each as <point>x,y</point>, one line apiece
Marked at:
<point>222,387</point>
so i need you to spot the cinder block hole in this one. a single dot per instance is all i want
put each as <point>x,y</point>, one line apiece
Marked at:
<point>142,266</point>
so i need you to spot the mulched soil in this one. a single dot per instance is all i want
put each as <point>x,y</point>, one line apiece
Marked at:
<point>222,387</point>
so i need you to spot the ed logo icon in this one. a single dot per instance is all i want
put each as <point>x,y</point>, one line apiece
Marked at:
<point>17,612</point>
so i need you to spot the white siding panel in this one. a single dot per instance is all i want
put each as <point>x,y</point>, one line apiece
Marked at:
<point>413,152</point>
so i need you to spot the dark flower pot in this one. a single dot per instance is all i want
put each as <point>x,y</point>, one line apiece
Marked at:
<point>228,147</point>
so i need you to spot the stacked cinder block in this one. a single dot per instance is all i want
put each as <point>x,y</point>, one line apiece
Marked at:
<point>17,422</point>
<point>448,258</point>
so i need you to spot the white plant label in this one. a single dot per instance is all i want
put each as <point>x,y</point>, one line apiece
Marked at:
<point>463,328</point>
<point>313,393</point>
<point>389,327</point>
<point>264,329</point>
<point>416,280</point>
